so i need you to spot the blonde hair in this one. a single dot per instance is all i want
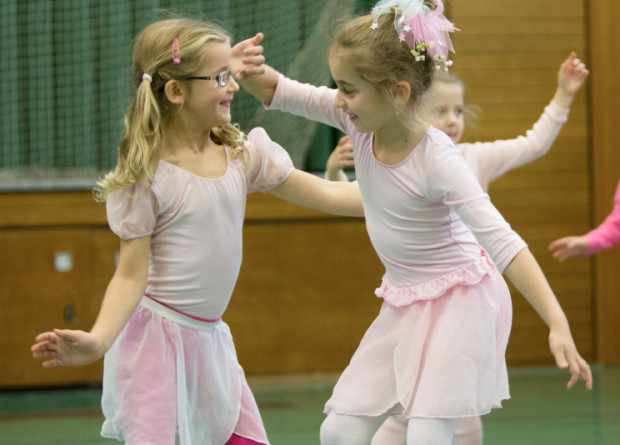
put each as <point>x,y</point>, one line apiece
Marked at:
<point>378,57</point>
<point>138,151</point>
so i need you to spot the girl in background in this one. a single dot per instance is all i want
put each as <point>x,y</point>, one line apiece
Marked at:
<point>177,200</point>
<point>436,351</point>
<point>444,108</point>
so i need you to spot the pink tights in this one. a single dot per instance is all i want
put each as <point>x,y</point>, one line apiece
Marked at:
<point>239,440</point>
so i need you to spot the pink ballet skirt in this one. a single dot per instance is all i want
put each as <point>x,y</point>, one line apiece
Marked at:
<point>172,377</point>
<point>436,349</point>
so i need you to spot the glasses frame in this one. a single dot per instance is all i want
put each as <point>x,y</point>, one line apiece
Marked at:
<point>222,78</point>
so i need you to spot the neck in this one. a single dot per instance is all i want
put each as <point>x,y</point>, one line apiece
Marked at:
<point>398,136</point>
<point>178,139</point>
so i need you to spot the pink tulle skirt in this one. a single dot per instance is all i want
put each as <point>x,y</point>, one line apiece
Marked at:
<point>435,358</point>
<point>170,377</point>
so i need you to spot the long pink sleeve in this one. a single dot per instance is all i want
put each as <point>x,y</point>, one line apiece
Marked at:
<point>608,233</point>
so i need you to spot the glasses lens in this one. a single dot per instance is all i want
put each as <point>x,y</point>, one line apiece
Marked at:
<point>223,78</point>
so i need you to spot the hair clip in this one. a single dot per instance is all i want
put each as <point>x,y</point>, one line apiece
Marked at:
<point>176,52</point>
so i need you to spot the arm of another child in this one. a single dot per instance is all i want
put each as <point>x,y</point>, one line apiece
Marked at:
<point>525,273</point>
<point>64,347</point>
<point>247,64</point>
<point>571,76</point>
<point>340,157</point>
<point>308,190</point>
<point>603,237</point>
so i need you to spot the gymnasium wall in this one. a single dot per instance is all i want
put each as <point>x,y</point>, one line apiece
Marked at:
<point>305,293</point>
<point>508,54</point>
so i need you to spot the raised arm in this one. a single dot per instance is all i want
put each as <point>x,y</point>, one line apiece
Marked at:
<point>64,347</point>
<point>490,160</point>
<point>571,76</point>
<point>248,66</point>
<point>525,273</point>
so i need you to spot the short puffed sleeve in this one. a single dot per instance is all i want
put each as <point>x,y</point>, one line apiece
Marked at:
<point>132,211</point>
<point>270,163</point>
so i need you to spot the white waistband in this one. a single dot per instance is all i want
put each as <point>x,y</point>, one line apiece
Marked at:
<point>177,317</point>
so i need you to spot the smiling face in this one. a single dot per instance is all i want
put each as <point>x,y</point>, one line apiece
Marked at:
<point>444,108</point>
<point>367,108</point>
<point>206,101</point>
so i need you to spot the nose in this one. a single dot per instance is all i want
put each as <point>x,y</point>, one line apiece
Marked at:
<point>451,118</point>
<point>338,102</point>
<point>233,86</point>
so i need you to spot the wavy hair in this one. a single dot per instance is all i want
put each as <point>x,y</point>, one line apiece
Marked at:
<point>139,148</point>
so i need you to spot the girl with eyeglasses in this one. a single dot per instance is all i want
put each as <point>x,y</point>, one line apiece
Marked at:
<point>176,200</point>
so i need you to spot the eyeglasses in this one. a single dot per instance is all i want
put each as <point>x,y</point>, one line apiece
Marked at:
<point>222,79</point>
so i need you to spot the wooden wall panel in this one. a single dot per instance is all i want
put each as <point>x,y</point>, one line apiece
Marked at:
<point>35,296</point>
<point>508,54</point>
<point>605,109</point>
<point>305,295</point>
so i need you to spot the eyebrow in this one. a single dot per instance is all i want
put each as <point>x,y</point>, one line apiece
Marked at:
<point>343,83</point>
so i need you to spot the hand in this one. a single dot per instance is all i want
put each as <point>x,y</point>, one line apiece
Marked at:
<point>566,356</point>
<point>571,76</point>
<point>567,247</point>
<point>246,58</point>
<point>340,157</point>
<point>67,348</point>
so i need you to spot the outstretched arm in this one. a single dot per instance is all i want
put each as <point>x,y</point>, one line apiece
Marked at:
<point>64,347</point>
<point>603,237</point>
<point>567,247</point>
<point>525,273</point>
<point>307,190</point>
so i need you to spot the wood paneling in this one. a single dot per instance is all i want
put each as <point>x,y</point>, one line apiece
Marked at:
<point>305,292</point>
<point>605,109</point>
<point>508,54</point>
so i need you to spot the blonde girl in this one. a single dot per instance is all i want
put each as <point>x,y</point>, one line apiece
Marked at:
<point>176,200</point>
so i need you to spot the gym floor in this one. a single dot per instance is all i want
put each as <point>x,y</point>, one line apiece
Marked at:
<point>541,411</point>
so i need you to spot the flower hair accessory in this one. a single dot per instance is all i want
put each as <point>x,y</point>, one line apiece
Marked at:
<point>176,52</point>
<point>426,32</point>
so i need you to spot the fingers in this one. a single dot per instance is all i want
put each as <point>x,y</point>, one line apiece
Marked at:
<point>257,38</point>
<point>580,370</point>
<point>52,363</point>
<point>560,249</point>
<point>567,357</point>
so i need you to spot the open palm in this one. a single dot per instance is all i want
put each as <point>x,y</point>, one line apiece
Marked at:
<point>66,348</point>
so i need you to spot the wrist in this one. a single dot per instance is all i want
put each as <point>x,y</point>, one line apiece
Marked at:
<point>559,322</point>
<point>563,98</point>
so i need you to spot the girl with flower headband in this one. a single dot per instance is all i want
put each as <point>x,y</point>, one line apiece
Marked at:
<point>443,106</point>
<point>177,200</point>
<point>436,351</point>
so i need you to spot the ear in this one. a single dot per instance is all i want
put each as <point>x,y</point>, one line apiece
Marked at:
<point>174,93</point>
<point>402,92</point>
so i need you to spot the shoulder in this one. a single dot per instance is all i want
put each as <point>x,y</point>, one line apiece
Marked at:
<point>270,163</point>
<point>437,145</point>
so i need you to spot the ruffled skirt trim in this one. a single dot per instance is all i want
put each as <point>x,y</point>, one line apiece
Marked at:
<point>468,275</point>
